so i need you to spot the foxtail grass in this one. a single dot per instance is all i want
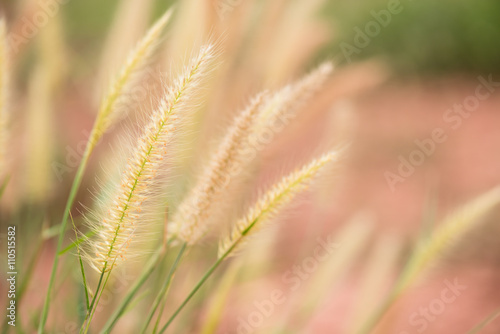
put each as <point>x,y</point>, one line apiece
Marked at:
<point>267,207</point>
<point>234,155</point>
<point>109,112</point>
<point>284,104</point>
<point>105,117</point>
<point>126,217</point>
<point>271,202</point>
<point>188,223</point>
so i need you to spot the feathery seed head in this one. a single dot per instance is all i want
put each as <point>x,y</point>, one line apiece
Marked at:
<point>272,201</point>
<point>129,207</point>
<point>189,221</point>
<point>138,59</point>
<point>285,102</point>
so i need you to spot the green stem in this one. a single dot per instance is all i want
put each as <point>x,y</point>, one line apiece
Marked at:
<point>82,269</point>
<point>150,266</point>
<point>163,292</point>
<point>86,321</point>
<point>200,283</point>
<point>97,302</point>
<point>72,195</point>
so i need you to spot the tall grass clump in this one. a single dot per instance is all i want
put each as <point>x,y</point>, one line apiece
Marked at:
<point>163,242</point>
<point>108,113</point>
<point>127,214</point>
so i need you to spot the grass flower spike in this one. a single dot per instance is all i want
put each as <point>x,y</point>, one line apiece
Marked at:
<point>264,210</point>
<point>108,113</point>
<point>187,223</point>
<point>272,201</point>
<point>110,110</point>
<point>286,102</point>
<point>123,218</point>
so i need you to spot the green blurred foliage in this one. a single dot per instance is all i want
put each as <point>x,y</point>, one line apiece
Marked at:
<point>426,36</point>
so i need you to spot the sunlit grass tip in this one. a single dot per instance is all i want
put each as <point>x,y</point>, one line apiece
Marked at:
<point>269,204</point>
<point>189,221</point>
<point>122,220</point>
<point>112,105</point>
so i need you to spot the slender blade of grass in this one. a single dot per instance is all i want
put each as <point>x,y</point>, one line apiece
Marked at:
<point>163,293</point>
<point>220,296</point>
<point>122,308</point>
<point>81,264</point>
<point>71,199</point>
<point>200,283</point>
<point>78,241</point>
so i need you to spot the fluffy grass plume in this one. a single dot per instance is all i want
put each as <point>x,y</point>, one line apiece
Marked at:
<point>110,110</point>
<point>117,228</point>
<point>285,103</point>
<point>3,95</point>
<point>188,221</point>
<point>271,202</point>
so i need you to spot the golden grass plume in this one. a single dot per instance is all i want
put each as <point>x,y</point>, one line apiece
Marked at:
<point>269,204</point>
<point>111,109</point>
<point>129,208</point>
<point>188,222</point>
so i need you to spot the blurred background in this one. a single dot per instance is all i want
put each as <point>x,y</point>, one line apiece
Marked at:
<point>404,71</point>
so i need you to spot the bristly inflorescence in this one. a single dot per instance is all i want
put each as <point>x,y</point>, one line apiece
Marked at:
<point>127,211</point>
<point>285,102</point>
<point>110,110</point>
<point>188,223</point>
<point>268,205</point>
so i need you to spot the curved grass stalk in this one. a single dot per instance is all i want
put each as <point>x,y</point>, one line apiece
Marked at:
<point>148,270</point>
<point>161,297</point>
